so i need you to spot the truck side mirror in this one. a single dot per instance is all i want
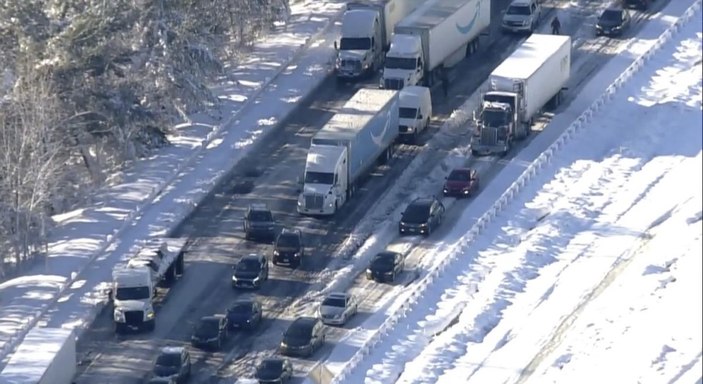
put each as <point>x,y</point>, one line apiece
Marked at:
<point>473,115</point>
<point>336,48</point>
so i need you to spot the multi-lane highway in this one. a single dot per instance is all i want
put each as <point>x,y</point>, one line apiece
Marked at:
<point>269,176</point>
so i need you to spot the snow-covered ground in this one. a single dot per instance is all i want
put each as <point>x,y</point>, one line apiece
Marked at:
<point>154,195</point>
<point>592,272</point>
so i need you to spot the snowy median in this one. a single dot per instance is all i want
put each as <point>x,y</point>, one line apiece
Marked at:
<point>161,192</point>
<point>624,65</point>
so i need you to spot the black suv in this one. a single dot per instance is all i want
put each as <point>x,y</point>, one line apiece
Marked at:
<point>211,332</point>
<point>173,362</point>
<point>288,248</point>
<point>250,272</point>
<point>613,22</point>
<point>274,370</point>
<point>303,337</point>
<point>244,313</point>
<point>259,223</point>
<point>386,266</point>
<point>421,216</point>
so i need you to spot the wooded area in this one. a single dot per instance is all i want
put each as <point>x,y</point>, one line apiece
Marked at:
<point>88,85</point>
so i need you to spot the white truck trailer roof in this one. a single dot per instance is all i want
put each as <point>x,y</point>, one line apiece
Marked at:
<point>432,13</point>
<point>45,356</point>
<point>530,56</point>
<point>357,22</point>
<point>356,113</point>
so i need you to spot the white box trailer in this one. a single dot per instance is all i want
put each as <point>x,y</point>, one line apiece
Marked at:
<point>541,66</point>
<point>438,34</point>
<point>45,356</point>
<point>519,88</point>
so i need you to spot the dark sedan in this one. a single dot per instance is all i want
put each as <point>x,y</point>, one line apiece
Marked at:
<point>613,22</point>
<point>210,332</point>
<point>421,217</point>
<point>244,314</point>
<point>386,266</point>
<point>274,370</point>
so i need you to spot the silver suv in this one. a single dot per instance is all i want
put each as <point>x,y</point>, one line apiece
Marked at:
<point>522,16</point>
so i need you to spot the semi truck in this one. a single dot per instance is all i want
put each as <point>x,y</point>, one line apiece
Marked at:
<point>45,356</point>
<point>134,282</point>
<point>347,148</point>
<point>366,35</point>
<point>433,38</point>
<point>519,88</point>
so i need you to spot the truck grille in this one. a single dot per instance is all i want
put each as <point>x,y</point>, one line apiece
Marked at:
<point>313,201</point>
<point>489,136</point>
<point>133,317</point>
<point>514,23</point>
<point>351,65</point>
<point>396,84</point>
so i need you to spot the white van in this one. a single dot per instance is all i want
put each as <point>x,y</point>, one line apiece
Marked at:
<point>414,112</point>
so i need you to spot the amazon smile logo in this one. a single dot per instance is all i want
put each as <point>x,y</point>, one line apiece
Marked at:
<point>468,27</point>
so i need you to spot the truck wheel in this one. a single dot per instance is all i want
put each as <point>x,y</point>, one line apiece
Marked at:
<point>170,275</point>
<point>119,328</point>
<point>151,325</point>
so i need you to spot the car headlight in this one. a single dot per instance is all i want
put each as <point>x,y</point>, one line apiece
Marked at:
<point>283,344</point>
<point>234,278</point>
<point>598,27</point>
<point>423,225</point>
<point>256,279</point>
<point>150,314</point>
<point>275,253</point>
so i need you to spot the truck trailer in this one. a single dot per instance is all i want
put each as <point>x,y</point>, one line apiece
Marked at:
<point>434,37</point>
<point>45,356</point>
<point>366,35</point>
<point>520,87</point>
<point>134,282</point>
<point>347,148</point>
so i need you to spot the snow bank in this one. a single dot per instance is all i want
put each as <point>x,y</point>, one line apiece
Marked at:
<point>158,189</point>
<point>415,291</point>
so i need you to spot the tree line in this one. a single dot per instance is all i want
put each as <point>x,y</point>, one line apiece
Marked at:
<point>89,86</point>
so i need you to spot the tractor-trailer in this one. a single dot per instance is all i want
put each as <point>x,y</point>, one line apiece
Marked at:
<point>347,148</point>
<point>134,282</point>
<point>534,76</point>
<point>367,28</point>
<point>45,356</point>
<point>436,36</point>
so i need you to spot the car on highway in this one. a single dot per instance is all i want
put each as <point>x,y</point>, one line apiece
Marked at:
<point>461,182</point>
<point>288,249</point>
<point>259,223</point>
<point>421,216</point>
<point>210,332</point>
<point>174,363</point>
<point>245,313</point>
<point>274,370</point>
<point>337,308</point>
<point>385,266</point>
<point>642,5</point>
<point>250,272</point>
<point>303,337</point>
<point>613,22</point>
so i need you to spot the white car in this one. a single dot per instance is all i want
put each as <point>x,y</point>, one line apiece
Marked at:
<point>337,308</point>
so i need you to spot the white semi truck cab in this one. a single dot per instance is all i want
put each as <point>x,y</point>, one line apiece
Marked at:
<point>133,293</point>
<point>360,48</point>
<point>404,64</point>
<point>325,180</point>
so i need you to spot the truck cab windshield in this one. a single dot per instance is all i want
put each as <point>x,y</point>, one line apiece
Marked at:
<point>132,293</point>
<point>407,113</point>
<point>400,63</point>
<point>319,178</point>
<point>354,43</point>
<point>495,118</point>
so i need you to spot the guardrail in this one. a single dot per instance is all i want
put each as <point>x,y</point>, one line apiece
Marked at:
<point>416,291</point>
